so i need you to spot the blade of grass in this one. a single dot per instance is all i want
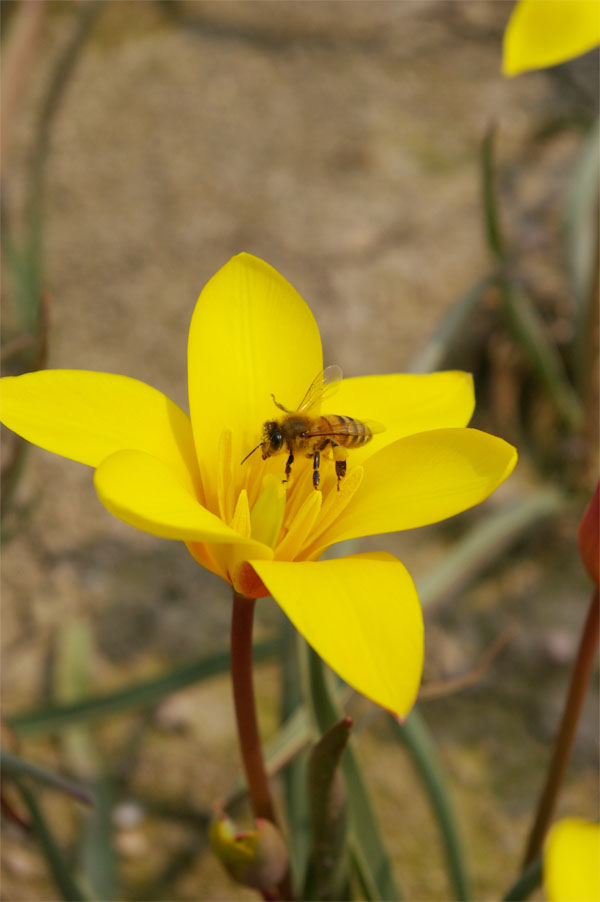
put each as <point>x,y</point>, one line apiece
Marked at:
<point>52,718</point>
<point>416,738</point>
<point>328,872</point>
<point>432,356</point>
<point>96,858</point>
<point>13,766</point>
<point>529,881</point>
<point>295,774</point>
<point>529,331</point>
<point>581,236</point>
<point>97,853</point>
<point>369,856</point>
<point>486,542</point>
<point>55,859</point>
<point>522,318</point>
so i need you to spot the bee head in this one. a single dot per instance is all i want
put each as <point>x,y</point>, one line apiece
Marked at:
<point>272,439</point>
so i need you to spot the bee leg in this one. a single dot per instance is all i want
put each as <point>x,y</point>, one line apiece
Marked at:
<point>288,466</point>
<point>339,455</point>
<point>316,465</point>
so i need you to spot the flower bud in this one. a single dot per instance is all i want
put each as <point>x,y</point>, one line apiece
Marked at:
<point>588,537</point>
<point>256,858</point>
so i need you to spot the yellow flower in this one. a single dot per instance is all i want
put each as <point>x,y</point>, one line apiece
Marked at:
<point>544,33</point>
<point>180,477</point>
<point>572,861</point>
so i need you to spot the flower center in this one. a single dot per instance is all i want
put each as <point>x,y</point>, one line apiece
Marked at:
<point>290,517</point>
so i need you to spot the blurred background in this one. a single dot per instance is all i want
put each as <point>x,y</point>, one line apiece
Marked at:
<point>433,214</point>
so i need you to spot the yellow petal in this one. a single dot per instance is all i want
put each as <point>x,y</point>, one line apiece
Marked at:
<point>404,404</point>
<point>422,479</point>
<point>251,335</point>
<point>87,416</point>
<point>572,861</point>
<point>544,33</point>
<point>362,615</point>
<point>146,493</point>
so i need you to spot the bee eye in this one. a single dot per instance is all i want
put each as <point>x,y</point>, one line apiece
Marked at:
<point>276,440</point>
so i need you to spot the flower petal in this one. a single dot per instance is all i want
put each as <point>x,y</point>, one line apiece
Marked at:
<point>251,335</point>
<point>572,861</point>
<point>362,615</point>
<point>421,479</point>
<point>146,493</point>
<point>404,403</point>
<point>546,33</point>
<point>87,416</point>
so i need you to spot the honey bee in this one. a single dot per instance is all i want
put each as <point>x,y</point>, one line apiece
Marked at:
<point>300,432</point>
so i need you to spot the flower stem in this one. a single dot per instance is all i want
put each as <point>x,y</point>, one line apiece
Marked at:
<point>245,708</point>
<point>580,679</point>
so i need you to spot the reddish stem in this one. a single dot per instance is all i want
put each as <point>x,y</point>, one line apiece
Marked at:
<point>247,725</point>
<point>245,708</point>
<point>580,678</point>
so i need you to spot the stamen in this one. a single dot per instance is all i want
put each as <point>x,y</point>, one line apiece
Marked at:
<point>241,516</point>
<point>333,505</point>
<point>225,477</point>
<point>300,527</point>
<point>267,514</point>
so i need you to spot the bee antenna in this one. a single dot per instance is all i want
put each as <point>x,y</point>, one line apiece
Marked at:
<point>251,453</point>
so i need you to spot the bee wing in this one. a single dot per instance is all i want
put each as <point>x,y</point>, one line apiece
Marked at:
<point>323,386</point>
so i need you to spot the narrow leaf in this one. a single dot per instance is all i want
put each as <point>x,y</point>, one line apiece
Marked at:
<point>451,328</point>
<point>294,774</point>
<point>486,542</point>
<point>328,815</point>
<point>55,859</point>
<point>490,205</point>
<point>98,855</point>
<point>521,316</point>
<point>12,765</point>
<point>52,718</point>
<point>368,851</point>
<point>581,234</point>
<point>415,737</point>
<point>528,882</point>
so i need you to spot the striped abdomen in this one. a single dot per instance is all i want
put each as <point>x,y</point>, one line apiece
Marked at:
<point>345,431</point>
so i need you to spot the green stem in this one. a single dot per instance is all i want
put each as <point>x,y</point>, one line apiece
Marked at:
<point>245,708</point>
<point>582,672</point>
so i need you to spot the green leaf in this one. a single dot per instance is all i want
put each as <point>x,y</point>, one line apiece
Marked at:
<point>294,774</point>
<point>53,718</point>
<point>369,856</point>
<point>55,859</point>
<point>581,234</point>
<point>328,815</point>
<point>529,331</point>
<point>98,856</point>
<point>415,737</point>
<point>486,542</point>
<point>490,204</point>
<point>529,881</point>
<point>451,328</point>
<point>13,766</point>
<point>522,318</point>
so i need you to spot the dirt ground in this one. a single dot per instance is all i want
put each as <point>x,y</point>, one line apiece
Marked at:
<point>340,142</point>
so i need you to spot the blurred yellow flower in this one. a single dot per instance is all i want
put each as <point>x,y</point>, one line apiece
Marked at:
<point>544,33</point>
<point>180,477</point>
<point>572,861</point>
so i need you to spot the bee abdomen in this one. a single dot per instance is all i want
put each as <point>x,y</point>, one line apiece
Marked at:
<point>349,433</point>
